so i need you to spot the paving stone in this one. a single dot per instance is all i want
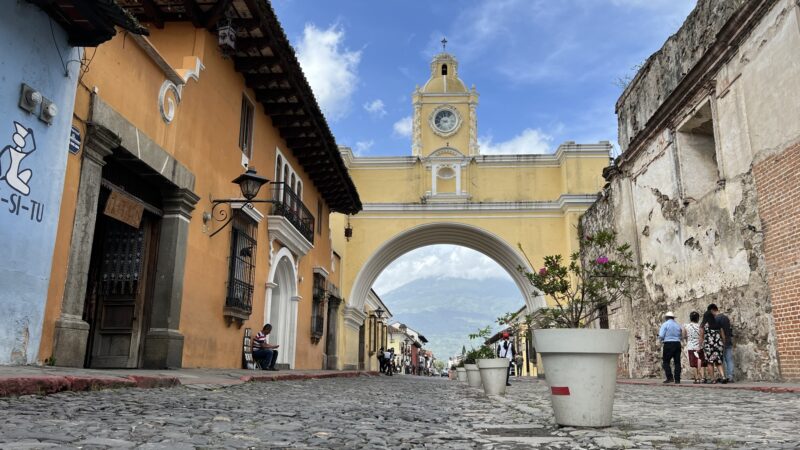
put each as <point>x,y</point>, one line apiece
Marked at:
<point>613,442</point>
<point>400,412</point>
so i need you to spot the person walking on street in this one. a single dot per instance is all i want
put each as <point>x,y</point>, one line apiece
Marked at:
<point>387,361</point>
<point>670,335</point>
<point>381,360</point>
<point>727,341</point>
<point>712,336</point>
<point>505,349</point>
<point>694,347</point>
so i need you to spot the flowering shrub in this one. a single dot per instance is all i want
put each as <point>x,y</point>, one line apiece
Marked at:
<point>581,293</point>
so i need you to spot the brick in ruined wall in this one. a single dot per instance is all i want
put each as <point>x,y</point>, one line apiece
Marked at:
<point>778,184</point>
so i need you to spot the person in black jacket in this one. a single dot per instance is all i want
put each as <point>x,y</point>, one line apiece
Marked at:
<point>505,349</point>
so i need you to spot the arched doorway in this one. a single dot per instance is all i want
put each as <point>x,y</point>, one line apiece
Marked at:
<point>281,306</point>
<point>451,233</point>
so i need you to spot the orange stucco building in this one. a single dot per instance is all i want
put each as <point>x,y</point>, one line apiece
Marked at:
<point>147,270</point>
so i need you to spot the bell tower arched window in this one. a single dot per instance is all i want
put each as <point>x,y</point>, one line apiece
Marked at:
<point>444,69</point>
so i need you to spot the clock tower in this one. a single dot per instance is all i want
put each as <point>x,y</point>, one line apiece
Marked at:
<point>444,118</point>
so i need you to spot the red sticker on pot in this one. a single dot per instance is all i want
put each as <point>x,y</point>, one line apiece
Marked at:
<point>559,390</point>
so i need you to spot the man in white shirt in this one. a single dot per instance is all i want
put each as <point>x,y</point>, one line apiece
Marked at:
<point>264,353</point>
<point>505,349</point>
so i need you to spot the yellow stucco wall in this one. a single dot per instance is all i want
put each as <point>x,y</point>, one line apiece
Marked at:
<point>203,137</point>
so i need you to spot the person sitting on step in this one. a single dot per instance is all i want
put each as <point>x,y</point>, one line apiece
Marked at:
<point>264,353</point>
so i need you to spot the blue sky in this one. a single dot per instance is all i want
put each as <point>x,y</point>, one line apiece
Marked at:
<point>546,69</point>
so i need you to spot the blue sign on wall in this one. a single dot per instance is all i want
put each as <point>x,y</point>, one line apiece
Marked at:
<point>74,140</point>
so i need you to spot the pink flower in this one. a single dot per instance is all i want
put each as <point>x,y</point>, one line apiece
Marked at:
<point>542,271</point>
<point>601,260</point>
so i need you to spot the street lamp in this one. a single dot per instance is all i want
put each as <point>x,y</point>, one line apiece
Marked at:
<point>250,183</point>
<point>379,312</point>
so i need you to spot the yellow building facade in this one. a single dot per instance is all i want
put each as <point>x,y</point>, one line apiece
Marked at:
<point>147,270</point>
<point>511,208</point>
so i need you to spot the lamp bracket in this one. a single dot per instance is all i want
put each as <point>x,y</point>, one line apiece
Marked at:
<point>225,214</point>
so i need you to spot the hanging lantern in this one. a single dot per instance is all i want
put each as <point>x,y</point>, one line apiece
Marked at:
<point>250,183</point>
<point>348,230</point>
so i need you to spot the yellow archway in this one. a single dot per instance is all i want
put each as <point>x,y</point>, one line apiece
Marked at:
<point>447,191</point>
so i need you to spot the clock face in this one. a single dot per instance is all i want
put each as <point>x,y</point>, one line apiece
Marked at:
<point>445,121</point>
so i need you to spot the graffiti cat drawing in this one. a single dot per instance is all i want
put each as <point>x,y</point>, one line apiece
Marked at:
<point>12,155</point>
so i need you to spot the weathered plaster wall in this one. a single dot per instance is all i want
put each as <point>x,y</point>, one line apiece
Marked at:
<point>707,237</point>
<point>30,191</point>
<point>666,68</point>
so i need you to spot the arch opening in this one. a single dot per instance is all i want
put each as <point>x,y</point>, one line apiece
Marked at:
<point>478,239</point>
<point>281,307</point>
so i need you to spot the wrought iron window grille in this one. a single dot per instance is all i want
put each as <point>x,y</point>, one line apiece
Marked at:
<point>239,298</point>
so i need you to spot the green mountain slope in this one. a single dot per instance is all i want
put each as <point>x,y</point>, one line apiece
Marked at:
<point>446,310</point>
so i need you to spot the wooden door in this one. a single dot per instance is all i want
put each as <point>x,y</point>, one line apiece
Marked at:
<point>120,289</point>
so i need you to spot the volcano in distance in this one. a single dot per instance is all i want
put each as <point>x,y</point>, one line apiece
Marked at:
<point>446,310</point>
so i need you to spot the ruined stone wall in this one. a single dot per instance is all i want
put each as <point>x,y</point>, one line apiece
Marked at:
<point>666,68</point>
<point>689,203</point>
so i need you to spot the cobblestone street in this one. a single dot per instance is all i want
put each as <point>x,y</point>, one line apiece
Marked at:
<point>397,412</point>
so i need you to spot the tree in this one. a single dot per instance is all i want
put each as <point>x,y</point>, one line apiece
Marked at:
<point>581,293</point>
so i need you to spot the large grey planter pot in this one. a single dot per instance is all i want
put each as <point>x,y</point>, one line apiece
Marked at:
<point>493,375</point>
<point>473,375</point>
<point>580,366</point>
<point>461,374</point>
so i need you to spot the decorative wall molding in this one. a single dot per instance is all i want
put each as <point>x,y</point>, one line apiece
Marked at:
<point>563,204</point>
<point>176,79</point>
<point>281,229</point>
<point>565,150</point>
<point>167,105</point>
<point>250,210</point>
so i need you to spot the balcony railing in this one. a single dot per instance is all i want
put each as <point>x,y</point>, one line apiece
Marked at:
<point>288,204</point>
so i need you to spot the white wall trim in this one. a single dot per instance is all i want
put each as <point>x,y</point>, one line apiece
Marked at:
<point>250,210</point>
<point>566,150</point>
<point>354,317</point>
<point>286,324</point>
<point>281,229</point>
<point>564,203</point>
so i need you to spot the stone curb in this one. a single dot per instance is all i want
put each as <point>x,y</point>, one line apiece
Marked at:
<point>743,387</point>
<point>51,384</point>
<point>301,376</point>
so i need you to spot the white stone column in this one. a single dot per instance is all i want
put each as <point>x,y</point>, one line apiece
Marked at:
<point>458,169</point>
<point>434,176</point>
<point>268,301</point>
<point>292,350</point>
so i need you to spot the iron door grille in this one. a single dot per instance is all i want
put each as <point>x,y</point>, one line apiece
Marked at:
<point>317,307</point>
<point>242,263</point>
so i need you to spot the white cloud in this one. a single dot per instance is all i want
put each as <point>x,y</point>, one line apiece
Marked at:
<point>363,147</point>
<point>438,261</point>
<point>530,141</point>
<point>331,70</point>
<point>375,108</point>
<point>403,127</point>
